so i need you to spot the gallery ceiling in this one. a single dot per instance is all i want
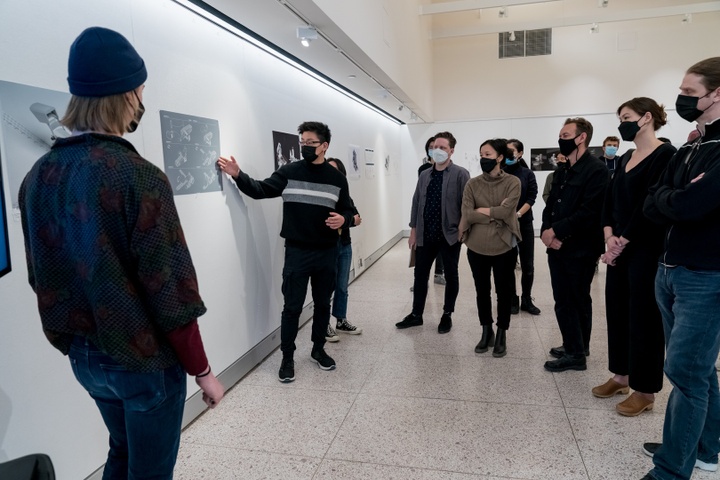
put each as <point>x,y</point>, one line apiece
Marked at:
<point>339,58</point>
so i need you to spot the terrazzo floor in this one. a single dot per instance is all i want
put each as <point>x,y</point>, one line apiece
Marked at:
<point>413,404</point>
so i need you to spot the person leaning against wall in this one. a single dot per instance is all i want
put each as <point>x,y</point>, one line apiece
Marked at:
<point>490,229</point>
<point>316,203</point>
<point>636,349</point>
<point>434,221</point>
<point>572,234</point>
<point>516,165</point>
<point>340,297</point>
<point>686,201</point>
<point>117,290</point>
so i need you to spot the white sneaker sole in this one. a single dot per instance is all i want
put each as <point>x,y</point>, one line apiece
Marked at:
<point>357,331</point>
<point>332,339</point>
<point>707,467</point>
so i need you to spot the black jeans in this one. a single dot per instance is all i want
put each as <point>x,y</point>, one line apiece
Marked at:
<point>502,268</point>
<point>526,250</point>
<point>424,257</point>
<point>571,278</point>
<point>318,265</point>
<point>636,344</point>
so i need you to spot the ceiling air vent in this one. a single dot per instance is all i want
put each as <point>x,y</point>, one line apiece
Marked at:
<point>525,43</point>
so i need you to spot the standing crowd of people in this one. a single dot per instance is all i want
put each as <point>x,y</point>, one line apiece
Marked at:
<point>117,290</point>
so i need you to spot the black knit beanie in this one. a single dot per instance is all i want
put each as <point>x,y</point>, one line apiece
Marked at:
<point>102,62</point>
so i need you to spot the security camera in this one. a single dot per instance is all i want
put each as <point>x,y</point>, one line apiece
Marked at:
<point>47,115</point>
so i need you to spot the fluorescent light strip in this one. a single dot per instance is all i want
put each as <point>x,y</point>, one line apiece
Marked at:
<point>226,23</point>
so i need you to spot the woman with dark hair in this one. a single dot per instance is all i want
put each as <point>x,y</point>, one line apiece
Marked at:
<point>344,262</point>
<point>515,165</point>
<point>634,326</point>
<point>490,229</point>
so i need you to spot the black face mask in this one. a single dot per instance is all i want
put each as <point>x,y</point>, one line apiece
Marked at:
<point>488,164</point>
<point>567,145</point>
<point>308,153</point>
<point>138,116</point>
<point>628,130</point>
<point>687,107</point>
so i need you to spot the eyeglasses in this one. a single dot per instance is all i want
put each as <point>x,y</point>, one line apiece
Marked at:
<point>310,143</point>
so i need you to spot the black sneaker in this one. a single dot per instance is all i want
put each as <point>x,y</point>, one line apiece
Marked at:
<point>558,352</point>
<point>346,327</point>
<point>440,279</point>
<point>650,448</point>
<point>287,370</point>
<point>567,362</point>
<point>445,323</point>
<point>411,320</point>
<point>324,361</point>
<point>527,305</point>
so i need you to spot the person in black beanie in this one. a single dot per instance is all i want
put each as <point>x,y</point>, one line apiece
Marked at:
<point>117,290</point>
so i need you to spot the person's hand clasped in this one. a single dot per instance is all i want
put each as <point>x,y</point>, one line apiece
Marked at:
<point>335,220</point>
<point>229,166</point>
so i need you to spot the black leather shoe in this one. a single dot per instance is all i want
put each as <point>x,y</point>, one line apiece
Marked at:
<point>567,362</point>
<point>499,349</point>
<point>488,337</point>
<point>527,305</point>
<point>445,323</point>
<point>558,352</point>
<point>411,320</point>
<point>515,305</point>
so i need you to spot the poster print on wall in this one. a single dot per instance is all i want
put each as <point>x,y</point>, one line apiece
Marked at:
<point>353,162</point>
<point>191,146</point>
<point>286,148</point>
<point>4,244</point>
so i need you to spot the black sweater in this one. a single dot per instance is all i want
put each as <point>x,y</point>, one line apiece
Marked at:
<point>310,192</point>
<point>689,207</point>
<point>528,188</point>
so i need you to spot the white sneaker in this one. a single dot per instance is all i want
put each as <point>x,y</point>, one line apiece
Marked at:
<point>346,327</point>
<point>331,335</point>
<point>708,467</point>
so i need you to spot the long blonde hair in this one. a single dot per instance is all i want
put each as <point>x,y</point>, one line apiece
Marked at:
<point>109,114</point>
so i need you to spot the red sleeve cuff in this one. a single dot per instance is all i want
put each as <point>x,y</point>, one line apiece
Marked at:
<point>188,346</point>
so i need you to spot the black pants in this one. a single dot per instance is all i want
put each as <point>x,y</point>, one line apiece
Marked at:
<point>424,257</point>
<point>636,345</point>
<point>319,267</point>
<point>571,278</point>
<point>526,250</point>
<point>502,268</point>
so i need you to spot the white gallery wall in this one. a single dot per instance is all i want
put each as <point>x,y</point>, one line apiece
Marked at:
<point>196,69</point>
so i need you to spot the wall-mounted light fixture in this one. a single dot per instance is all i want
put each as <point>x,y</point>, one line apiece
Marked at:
<point>595,28</point>
<point>687,19</point>
<point>306,35</point>
<point>47,115</point>
<point>503,12</point>
<point>603,3</point>
<point>512,36</point>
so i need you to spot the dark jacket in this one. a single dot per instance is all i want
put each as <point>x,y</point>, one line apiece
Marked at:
<point>688,207</point>
<point>528,186</point>
<point>574,207</point>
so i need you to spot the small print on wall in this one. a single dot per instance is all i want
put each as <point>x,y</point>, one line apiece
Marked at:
<point>369,163</point>
<point>387,165</point>
<point>353,162</point>
<point>286,148</point>
<point>191,145</point>
<point>544,158</point>
<point>4,244</point>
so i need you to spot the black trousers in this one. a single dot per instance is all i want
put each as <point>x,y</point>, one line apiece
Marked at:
<point>424,257</point>
<point>526,251</point>
<point>636,344</point>
<point>502,268</point>
<point>571,278</point>
<point>319,267</point>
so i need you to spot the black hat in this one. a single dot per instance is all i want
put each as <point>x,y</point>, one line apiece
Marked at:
<point>102,62</point>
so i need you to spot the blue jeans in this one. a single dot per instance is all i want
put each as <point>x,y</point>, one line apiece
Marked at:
<point>340,299</point>
<point>689,303</point>
<point>142,412</point>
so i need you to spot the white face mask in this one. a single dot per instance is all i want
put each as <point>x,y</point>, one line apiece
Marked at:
<point>439,156</point>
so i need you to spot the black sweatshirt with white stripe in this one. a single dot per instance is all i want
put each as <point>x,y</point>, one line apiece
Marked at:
<point>310,192</point>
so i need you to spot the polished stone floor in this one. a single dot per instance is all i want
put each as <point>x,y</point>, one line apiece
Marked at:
<point>413,404</point>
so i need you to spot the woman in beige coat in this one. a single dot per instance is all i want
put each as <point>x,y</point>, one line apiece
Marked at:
<point>491,232</point>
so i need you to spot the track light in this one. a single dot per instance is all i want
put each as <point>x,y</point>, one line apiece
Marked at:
<point>595,28</point>
<point>603,3</point>
<point>512,36</point>
<point>306,35</point>
<point>687,19</point>
<point>503,12</point>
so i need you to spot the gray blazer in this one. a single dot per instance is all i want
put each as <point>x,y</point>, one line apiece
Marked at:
<point>454,180</point>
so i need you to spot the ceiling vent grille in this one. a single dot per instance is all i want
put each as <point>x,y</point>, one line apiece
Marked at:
<point>525,43</point>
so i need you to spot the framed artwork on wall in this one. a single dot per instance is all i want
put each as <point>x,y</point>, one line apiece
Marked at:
<point>4,243</point>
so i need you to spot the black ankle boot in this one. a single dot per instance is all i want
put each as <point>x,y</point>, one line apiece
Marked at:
<point>488,337</point>
<point>515,305</point>
<point>499,349</point>
<point>527,305</point>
